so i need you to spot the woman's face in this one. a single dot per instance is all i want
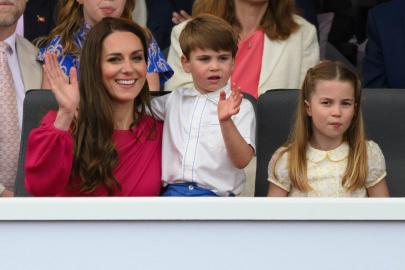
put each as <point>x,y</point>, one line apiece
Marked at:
<point>95,10</point>
<point>123,66</point>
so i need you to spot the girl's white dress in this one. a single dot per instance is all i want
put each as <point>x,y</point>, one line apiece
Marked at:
<point>326,169</point>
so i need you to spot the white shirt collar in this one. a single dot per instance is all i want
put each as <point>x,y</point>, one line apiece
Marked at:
<point>11,42</point>
<point>214,96</point>
<point>339,153</point>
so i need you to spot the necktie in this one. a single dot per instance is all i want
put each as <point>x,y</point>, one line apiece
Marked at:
<point>9,130</point>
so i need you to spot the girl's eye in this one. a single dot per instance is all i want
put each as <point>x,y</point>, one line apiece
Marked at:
<point>347,104</point>
<point>326,102</point>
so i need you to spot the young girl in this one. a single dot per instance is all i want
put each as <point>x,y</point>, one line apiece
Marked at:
<point>327,154</point>
<point>76,17</point>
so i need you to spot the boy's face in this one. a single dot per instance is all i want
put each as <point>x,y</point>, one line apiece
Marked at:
<point>210,69</point>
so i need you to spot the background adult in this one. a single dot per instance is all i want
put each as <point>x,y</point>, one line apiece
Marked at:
<point>18,72</point>
<point>275,50</point>
<point>384,61</point>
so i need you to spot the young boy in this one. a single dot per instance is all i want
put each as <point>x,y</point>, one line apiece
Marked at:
<point>209,131</point>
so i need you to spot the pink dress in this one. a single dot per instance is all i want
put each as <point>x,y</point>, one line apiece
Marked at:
<point>49,157</point>
<point>248,63</point>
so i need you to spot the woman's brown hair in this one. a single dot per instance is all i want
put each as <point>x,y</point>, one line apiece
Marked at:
<point>95,156</point>
<point>278,21</point>
<point>296,146</point>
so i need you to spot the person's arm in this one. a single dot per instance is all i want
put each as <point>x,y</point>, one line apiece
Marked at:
<point>276,191</point>
<point>278,177</point>
<point>378,190</point>
<point>374,73</point>
<point>49,157</point>
<point>66,91</point>
<point>310,54</point>
<point>238,150</point>
<point>153,81</point>
<point>375,183</point>
<point>159,71</point>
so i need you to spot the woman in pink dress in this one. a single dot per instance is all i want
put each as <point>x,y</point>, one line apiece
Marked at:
<point>98,143</point>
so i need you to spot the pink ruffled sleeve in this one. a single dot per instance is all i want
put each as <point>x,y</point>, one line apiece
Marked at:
<point>49,157</point>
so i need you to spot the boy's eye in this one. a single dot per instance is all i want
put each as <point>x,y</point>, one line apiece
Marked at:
<point>203,59</point>
<point>224,58</point>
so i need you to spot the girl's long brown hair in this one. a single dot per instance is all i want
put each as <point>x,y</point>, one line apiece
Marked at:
<point>296,146</point>
<point>70,19</point>
<point>95,156</point>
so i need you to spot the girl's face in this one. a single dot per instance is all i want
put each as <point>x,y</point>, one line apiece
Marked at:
<point>123,66</point>
<point>331,108</point>
<point>95,10</point>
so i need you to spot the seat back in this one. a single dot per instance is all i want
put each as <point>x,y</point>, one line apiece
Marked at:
<point>275,115</point>
<point>384,116</point>
<point>36,104</point>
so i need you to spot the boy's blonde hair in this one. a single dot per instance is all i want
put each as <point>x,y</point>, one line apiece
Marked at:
<point>208,32</point>
<point>296,146</point>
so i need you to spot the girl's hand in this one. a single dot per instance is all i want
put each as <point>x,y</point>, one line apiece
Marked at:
<point>181,16</point>
<point>66,93</point>
<point>229,106</point>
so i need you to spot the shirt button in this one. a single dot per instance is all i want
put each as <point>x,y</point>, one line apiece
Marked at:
<point>190,187</point>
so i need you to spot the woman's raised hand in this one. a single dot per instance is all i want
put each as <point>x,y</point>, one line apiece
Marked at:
<point>66,93</point>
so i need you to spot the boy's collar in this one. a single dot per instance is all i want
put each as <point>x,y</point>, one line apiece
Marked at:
<point>211,95</point>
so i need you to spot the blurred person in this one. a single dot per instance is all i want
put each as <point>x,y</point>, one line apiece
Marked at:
<point>19,72</point>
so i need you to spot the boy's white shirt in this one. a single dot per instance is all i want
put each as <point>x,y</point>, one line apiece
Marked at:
<point>193,147</point>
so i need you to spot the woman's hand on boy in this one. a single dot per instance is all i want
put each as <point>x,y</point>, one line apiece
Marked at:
<point>229,106</point>
<point>66,93</point>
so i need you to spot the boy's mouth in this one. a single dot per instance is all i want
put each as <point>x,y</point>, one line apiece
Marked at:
<point>214,78</point>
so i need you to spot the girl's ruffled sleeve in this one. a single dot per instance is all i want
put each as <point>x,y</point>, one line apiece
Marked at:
<point>49,158</point>
<point>278,170</point>
<point>376,164</point>
<point>66,60</point>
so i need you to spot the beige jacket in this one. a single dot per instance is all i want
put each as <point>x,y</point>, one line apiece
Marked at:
<point>31,71</point>
<point>284,63</point>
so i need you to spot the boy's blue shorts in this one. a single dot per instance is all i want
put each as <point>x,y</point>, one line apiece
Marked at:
<point>187,189</point>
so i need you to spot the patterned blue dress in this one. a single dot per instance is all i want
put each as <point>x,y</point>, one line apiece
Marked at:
<point>156,61</point>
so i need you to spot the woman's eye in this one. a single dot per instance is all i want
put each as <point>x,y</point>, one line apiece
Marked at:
<point>137,58</point>
<point>113,59</point>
